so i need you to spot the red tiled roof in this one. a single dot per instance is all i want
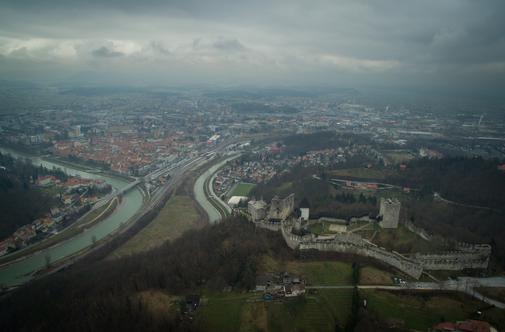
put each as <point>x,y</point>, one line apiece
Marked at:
<point>445,326</point>
<point>474,326</point>
<point>467,326</point>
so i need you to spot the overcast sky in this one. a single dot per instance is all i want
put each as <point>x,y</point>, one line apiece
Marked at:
<point>456,44</point>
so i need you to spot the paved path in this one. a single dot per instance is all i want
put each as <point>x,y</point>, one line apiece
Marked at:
<point>437,197</point>
<point>466,285</point>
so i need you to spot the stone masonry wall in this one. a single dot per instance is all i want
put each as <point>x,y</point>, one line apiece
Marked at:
<point>455,260</point>
<point>466,256</point>
<point>402,263</point>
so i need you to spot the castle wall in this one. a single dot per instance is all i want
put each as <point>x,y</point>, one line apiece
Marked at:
<point>417,230</point>
<point>292,240</point>
<point>271,226</point>
<point>357,247</point>
<point>456,260</point>
<point>466,256</point>
<point>353,244</point>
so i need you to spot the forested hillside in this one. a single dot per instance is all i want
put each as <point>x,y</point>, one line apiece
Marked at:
<point>21,201</point>
<point>302,143</point>
<point>105,295</point>
<point>474,181</point>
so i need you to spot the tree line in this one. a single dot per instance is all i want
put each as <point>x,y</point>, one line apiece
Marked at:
<point>21,201</point>
<point>103,295</point>
<point>474,181</point>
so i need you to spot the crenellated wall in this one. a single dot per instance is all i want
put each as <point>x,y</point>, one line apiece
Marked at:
<point>272,226</point>
<point>466,256</point>
<point>475,256</point>
<point>292,240</point>
<point>454,260</point>
<point>357,246</point>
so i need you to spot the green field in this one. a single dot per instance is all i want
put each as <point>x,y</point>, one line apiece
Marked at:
<point>317,228</point>
<point>359,173</point>
<point>313,272</point>
<point>369,275</point>
<point>179,215</point>
<point>222,312</point>
<point>242,189</point>
<point>328,273</point>
<point>422,310</point>
<point>324,309</point>
<point>322,227</point>
<point>318,311</point>
<point>404,241</point>
<point>322,273</point>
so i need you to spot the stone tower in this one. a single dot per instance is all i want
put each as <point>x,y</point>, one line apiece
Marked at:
<point>280,209</point>
<point>257,209</point>
<point>390,212</point>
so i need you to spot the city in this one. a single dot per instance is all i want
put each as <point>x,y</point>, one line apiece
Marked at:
<point>252,166</point>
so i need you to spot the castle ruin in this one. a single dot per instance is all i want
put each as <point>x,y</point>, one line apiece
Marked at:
<point>389,212</point>
<point>257,209</point>
<point>281,208</point>
<point>471,256</point>
<point>467,256</point>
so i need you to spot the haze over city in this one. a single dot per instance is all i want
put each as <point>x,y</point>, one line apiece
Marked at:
<point>454,45</point>
<point>252,165</point>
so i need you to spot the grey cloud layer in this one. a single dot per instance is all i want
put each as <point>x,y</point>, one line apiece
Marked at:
<point>422,42</point>
<point>106,52</point>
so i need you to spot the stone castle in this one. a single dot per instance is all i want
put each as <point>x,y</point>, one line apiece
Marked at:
<point>276,217</point>
<point>389,212</point>
<point>279,208</point>
<point>257,209</point>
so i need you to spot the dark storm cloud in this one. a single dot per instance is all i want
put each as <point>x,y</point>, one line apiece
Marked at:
<point>105,52</point>
<point>159,48</point>
<point>230,45</point>
<point>324,41</point>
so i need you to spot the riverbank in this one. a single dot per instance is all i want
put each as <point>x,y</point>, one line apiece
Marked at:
<point>24,268</point>
<point>64,162</point>
<point>102,248</point>
<point>218,204</point>
<point>205,196</point>
<point>100,213</point>
<point>87,168</point>
<point>87,220</point>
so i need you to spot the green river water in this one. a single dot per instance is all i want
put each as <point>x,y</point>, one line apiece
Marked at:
<point>21,271</point>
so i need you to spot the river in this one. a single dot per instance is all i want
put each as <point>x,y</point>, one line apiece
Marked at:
<point>21,271</point>
<point>212,212</point>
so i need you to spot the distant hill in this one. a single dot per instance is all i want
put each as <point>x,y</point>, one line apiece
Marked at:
<point>252,108</point>
<point>251,92</point>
